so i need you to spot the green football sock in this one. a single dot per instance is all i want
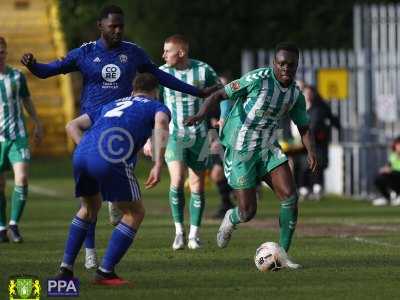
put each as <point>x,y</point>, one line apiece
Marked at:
<point>196,208</point>
<point>287,221</point>
<point>177,203</point>
<point>3,205</point>
<point>18,201</point>
<point>235,217</point>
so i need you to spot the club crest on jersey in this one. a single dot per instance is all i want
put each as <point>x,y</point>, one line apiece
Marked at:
<point>235,85</point>
<point>123,58</point>
<point>111,73</point>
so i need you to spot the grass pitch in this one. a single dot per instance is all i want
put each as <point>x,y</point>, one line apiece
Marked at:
<point>350,249</point>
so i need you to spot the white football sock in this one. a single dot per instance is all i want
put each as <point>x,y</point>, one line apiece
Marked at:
<point>178,228</point>
<point>194,232</point>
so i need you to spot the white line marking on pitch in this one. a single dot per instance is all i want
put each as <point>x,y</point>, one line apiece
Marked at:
<point>43,191</point>
<point>369,241</point>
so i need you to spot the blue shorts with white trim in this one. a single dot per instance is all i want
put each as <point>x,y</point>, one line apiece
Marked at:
<point>114,180</point>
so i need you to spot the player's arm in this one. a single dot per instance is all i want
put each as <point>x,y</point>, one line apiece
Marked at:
<point>300,117</point>
<point>61,66</point>
<point>77,127</point>
<point>160,138</point>
<point>207,106</point>
<point>37,124</point>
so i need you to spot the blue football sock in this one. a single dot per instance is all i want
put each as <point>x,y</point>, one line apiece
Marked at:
<point>121,239</point>
<point>77,233</point>
<point>90,236</point>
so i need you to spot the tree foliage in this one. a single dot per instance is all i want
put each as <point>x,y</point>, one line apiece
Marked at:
<point>219,30</point>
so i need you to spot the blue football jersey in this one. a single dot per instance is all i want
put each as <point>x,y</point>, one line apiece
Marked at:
<point>121,128</point>
<point>107,73</point>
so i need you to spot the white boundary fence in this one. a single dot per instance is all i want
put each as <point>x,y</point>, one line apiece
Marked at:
<point>369,117</point>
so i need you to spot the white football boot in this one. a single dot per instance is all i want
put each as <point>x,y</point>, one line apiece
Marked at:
<point>225,230</point>
<point>194,243</point>
<point>91,259</point>
<point>286,261</point>
<point>179,242</point>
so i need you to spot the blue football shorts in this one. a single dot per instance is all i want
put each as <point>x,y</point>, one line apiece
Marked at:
<point>115,181</point>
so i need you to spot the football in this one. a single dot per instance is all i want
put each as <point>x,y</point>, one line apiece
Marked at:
<point>268,258</point>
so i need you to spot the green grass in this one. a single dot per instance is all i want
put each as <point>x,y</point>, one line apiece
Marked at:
<point>350,249</point>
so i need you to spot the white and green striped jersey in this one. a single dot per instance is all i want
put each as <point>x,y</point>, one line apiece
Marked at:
<point>13,89</point>
<point>260,103</point>
<point>182,105</point>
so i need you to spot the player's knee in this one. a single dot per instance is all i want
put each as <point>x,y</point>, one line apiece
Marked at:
<point>21,179</point>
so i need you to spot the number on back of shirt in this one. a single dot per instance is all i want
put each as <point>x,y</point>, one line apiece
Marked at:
<point>118,111</point>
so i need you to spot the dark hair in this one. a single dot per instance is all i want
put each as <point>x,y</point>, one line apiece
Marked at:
<point>291,47</point>
<point>3,42</point>
<point>145,82</point>
<point>110,9</point>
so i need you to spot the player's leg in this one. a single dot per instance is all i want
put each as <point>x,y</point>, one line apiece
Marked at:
<point>91,261</point>
<point>240,171</point>
<point>19,157</point>
<point>177,172</point>
<point>121,239</point>
<point>224,189</point>
<point>3,206</point>
<point>87,213</point>
<point>196,209</point>
<point>284,187</point>
<point>18,199</point>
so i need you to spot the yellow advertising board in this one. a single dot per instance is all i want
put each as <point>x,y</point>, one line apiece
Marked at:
<point>333,83</point>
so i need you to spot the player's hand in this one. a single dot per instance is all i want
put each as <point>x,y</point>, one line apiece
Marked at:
<point>148,149</point>
<point>312,162</point>
<point>28,60</point>
<point>193,120</point>
<point>38,133</point>
<point>154,177</point>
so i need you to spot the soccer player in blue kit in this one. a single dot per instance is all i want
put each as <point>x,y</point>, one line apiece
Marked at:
<point>103,162</point>
<point>108,67</point>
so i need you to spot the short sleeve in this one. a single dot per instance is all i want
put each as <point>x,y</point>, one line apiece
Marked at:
<point>94,115</point>
<point>159,107</point>
<point>241,87</point>
<point>298,113</point>
<point>23,89</point>
<point>211,77</point>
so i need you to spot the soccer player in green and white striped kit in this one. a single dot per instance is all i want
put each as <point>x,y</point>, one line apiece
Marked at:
<point>14,145</point>
<point>187,148</point>
<point>262,98</point>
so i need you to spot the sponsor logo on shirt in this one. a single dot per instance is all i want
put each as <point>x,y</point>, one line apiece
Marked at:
<point>123,58</point>
<point>111,73</point>
<point>235,85</point>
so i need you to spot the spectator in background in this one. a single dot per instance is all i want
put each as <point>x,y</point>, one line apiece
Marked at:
<point>388,179</point>
<point>321,122</point>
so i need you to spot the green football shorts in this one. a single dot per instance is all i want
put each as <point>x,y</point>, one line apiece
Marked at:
<point>243,169</point>
<point>13,151</point>
<point>193,151</point>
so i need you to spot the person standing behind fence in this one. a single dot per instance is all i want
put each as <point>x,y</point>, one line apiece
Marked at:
<point>321,122</point>
<point>388,179</point>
